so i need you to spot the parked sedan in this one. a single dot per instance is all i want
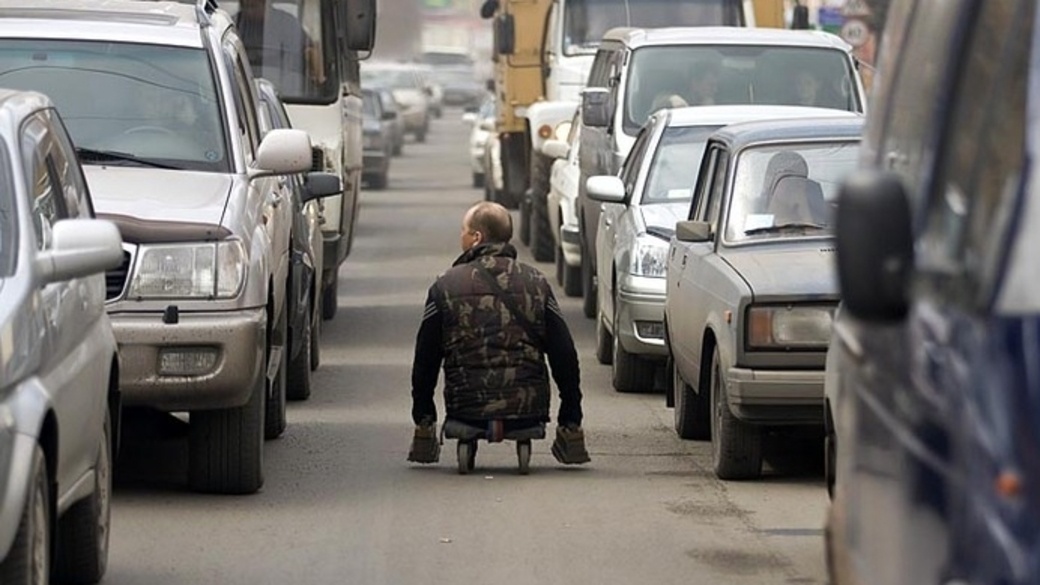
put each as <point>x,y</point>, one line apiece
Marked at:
<point>307,256</point>
<point>378,139</point>
<point>639,212</point>
<point>751,289</point>
<point>59,397</point>
<point>483,124</point>
<point>396,124</point>
<point>562,205</point>
<point>410,90</point>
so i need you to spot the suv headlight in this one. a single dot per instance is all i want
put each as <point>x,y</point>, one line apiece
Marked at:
<point>211,270</point>
<point>789,326</point>
<point>649,257</point>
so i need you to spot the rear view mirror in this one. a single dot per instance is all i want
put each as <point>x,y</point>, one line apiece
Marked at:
<point>595,107</point>
<point>605,188</point>
<point>389,115</point>
<point>283,151</point>
<point>360,16</point>
<point>318,185</point>
<point>81,247</point>
<point>693,231</point>
<point>505,35</point>
<point>875,246</point>
<point>555,148</point>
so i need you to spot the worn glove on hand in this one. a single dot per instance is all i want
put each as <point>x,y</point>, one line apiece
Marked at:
<point>425,446</point>
<point>569,446</point>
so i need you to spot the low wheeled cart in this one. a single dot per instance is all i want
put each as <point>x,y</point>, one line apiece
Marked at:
<point>494,432</point>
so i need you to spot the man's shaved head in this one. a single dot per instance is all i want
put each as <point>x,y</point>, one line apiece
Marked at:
<point>492,220</point>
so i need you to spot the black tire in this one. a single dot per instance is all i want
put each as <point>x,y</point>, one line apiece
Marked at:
<point>560,265</point>
<point>525,219</point>
<point>691,408</point>
<point>571,280</point>
<point>478,180</point>
<point>300,366</point>
<point>398,146</point>
<point>523,457</point>
<point>604,343</point>
<point>274,417</point>
<point>466,452</point>
<point>330,299</point>
<point>541,230</point>
<point>588,287</point>
<point>631,373</point>
<point>226,447</point>
<point>736,447</point>
<point>420,135</point>
<point>83,531</point>
<point>28,561</point>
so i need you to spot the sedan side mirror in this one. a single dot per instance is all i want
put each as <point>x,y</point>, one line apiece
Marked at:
<point>605,188</point>
<point>693,231</point>
<point>555,148</point>
<point>595,107</point>
<point>875,246</point>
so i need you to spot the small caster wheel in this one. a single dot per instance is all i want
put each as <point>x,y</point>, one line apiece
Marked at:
<point>523,456</point>
<point>467,454</point>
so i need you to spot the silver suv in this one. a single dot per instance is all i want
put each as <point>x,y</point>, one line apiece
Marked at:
<point>160,102</point>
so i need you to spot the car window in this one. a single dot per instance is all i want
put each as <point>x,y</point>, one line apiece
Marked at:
<point>630,169</point>
<point>245,98</point>
<point>701,190</point>
<point>787,190</point>
<point>598,75</point>
<point>46,190</point>
<point>673,169</point>
<point>370,106</point>
<point>979,171</point>
<point>157,103</point>
<point>720,174</point>
<point>74,184</point>
<point>725,74</point>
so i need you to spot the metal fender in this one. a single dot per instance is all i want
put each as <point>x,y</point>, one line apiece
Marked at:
<point>549,115</point>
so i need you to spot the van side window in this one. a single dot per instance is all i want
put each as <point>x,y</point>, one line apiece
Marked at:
<point>979,172</point>
<point>918,88</point>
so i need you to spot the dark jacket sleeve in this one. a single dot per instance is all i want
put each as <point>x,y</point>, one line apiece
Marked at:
<point>429,352</point>
<point>563,361</point>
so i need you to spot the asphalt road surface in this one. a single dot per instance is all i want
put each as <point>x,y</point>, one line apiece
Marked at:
<point>342,506</point>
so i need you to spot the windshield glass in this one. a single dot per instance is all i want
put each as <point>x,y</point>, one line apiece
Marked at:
<point>291,44</point>
<point>673,170</point>
<point>705,75</point>
<point>157,104</point>
<point>389,78</point>
<point>788,190</point>
<point>369,107</point>
<point>585,21</point>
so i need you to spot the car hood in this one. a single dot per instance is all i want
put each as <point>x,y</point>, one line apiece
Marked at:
<point>659,219</point>
<point>159,194</point>
<point>786,270</point>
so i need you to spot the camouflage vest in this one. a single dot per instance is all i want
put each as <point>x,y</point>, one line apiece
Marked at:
<point>492,367</point>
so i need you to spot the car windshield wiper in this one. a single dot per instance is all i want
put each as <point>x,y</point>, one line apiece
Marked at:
<point>783,227</point>
<point>92,155</point>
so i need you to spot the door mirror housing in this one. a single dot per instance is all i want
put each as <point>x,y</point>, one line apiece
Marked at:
<point>389,115</point>
<point>317,185</point>
<point>283,151</point>
<point>360,16</point>
<point>80,247</point>
<point>605,188</point>
<point>693,231</point>
<point>595,107</point>
<point>875,246</point>
<point>555,148</point>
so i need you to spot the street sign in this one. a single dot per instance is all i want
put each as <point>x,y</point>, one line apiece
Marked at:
<point>855,32</point>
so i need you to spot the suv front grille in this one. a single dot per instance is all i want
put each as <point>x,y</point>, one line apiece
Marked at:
<point>115,279</point>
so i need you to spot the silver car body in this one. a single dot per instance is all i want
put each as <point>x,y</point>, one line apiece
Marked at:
<point>740,282</point>
<point>409,89</point>
<point>641,227</point>
<point>58,360</point>
<point>563,197</point>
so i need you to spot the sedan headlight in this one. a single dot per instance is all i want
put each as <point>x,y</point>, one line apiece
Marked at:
<point>789,326</point>
<point>212,270</point>
<point>649,257</point>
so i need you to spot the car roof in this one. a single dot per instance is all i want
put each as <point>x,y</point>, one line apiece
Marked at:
<point>742,134</point>
<point>724,35</point>
<point>731,114</point>
<point>140,21</point>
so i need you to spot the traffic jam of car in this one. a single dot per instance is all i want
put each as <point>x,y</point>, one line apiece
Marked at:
<point>772,240</point>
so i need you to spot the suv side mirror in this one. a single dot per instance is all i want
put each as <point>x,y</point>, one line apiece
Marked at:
<point>553,148</point>
<point>360,18</point>
<point>317,185</point>
<point>693,231</point>
<point>595,107</point>
<point>505,35</point>
<point>875,246</point>
<point>283,151</point>
<point>605,188</point>
<point>81,247</point>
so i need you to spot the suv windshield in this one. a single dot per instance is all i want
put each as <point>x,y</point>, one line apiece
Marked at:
<point>787,191</point>
<point>676,162</point>
<point>290,44</point>
<point>585,21</point>
<point>127,104</point>
<point>720,75</point>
